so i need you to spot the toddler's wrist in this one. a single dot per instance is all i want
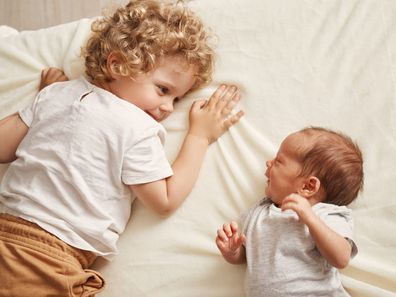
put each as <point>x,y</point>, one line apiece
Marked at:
<point>199,138</point>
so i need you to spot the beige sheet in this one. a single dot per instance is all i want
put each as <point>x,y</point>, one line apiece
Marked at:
<point>299,63</point>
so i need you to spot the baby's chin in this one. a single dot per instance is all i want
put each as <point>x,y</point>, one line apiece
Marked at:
<point>268,196</point>
<point>267,192</point>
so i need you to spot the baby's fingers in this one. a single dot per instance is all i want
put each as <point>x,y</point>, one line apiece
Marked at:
<point>240,240</point>
<point>228,230</point>
<point>222,235</point>
<point>234,227</point>
<point>237,241</point>
<point>221,244</point>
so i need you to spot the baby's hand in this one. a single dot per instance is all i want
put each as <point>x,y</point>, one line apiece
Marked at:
<point>210,119</point>
<point>50,76</point>
<point>299,204</point>
<point>229,241</point>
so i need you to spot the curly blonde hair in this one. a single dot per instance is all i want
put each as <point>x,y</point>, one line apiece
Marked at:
<point>141,33</point>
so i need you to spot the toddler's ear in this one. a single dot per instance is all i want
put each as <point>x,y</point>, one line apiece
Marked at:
<point>310,187</point>
<point>113,65</point>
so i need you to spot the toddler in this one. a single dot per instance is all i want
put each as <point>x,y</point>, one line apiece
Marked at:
<point>84,146</point>
<point>296,238</point>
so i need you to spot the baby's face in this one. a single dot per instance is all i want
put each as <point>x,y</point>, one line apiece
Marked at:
<point>156,92</point>
<point>283,171</point>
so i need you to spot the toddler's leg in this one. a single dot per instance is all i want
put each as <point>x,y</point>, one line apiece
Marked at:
<point>50,76</point>
<point>36,263</point>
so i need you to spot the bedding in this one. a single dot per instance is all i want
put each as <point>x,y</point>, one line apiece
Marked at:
<point>298,63</point>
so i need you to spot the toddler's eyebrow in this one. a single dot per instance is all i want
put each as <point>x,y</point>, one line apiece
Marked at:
<point>167,84</point>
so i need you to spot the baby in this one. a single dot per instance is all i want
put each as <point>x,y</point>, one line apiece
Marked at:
<point>295,240</point>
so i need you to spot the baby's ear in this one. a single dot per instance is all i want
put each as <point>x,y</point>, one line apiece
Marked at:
<point>310,187</point>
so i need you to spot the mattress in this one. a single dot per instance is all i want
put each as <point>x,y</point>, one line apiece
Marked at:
<point>297,63</point>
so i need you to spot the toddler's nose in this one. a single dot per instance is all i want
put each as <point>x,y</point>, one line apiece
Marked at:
<point>168,106</point>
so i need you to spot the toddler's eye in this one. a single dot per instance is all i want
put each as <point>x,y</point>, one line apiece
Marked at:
<point>176,100</point>
<point>163,90</point>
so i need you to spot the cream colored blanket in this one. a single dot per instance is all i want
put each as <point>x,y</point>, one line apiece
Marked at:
<point>298,63</point>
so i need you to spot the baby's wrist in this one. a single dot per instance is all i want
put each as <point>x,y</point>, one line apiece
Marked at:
<point>309,218</point>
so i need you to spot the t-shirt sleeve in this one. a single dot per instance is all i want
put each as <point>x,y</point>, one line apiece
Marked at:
<point>341,222</point>
<point>245,216</point>
<point>27,113</point>
<point>146,161</point>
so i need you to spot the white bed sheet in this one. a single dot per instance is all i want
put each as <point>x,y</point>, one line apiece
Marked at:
<point>298,63</point>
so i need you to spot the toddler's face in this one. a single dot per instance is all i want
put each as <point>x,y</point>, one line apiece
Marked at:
<point>156,91</point>
<point>282,172</point>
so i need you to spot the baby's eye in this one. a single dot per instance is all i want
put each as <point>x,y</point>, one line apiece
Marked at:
<point>177,99</point>
<point>163,90</point>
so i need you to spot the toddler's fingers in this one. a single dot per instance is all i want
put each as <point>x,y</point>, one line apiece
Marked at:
<point>230,104</point>
<point>56,73</point>
<point>44,73</point>
<point>198,104</point>
<point>232,120</point>
<point>216,96</point>
<point>226,97</point>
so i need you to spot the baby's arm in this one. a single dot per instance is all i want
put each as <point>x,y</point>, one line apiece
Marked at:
<point>230,243</point>
<point>332,246</point>
<point>208,121</point>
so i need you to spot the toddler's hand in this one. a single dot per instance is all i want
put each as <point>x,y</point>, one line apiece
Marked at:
<point>210,119</point>
<point>50,76</point>
<point>229,241</point>
<point>298,204</point>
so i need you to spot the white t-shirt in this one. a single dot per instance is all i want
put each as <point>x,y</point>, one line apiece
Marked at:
<point>282,258</point>
<point>83,146</point>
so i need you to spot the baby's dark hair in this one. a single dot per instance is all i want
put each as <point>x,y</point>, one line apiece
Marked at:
<point>144,31</point>
<point>335,160</point>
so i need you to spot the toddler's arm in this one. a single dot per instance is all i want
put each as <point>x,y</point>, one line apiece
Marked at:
<point>230,243</point>
<point>50,76</point>
<point>334,247</point>
<point>208,121</point>
<point>12,131</point>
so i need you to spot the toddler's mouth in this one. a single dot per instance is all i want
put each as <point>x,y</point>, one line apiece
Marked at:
<point>153,116</point>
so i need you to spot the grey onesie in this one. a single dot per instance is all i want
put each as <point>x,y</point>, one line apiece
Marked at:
<point>282,259</point>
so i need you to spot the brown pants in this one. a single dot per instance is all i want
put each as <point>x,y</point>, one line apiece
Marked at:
<point>35,263</point>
